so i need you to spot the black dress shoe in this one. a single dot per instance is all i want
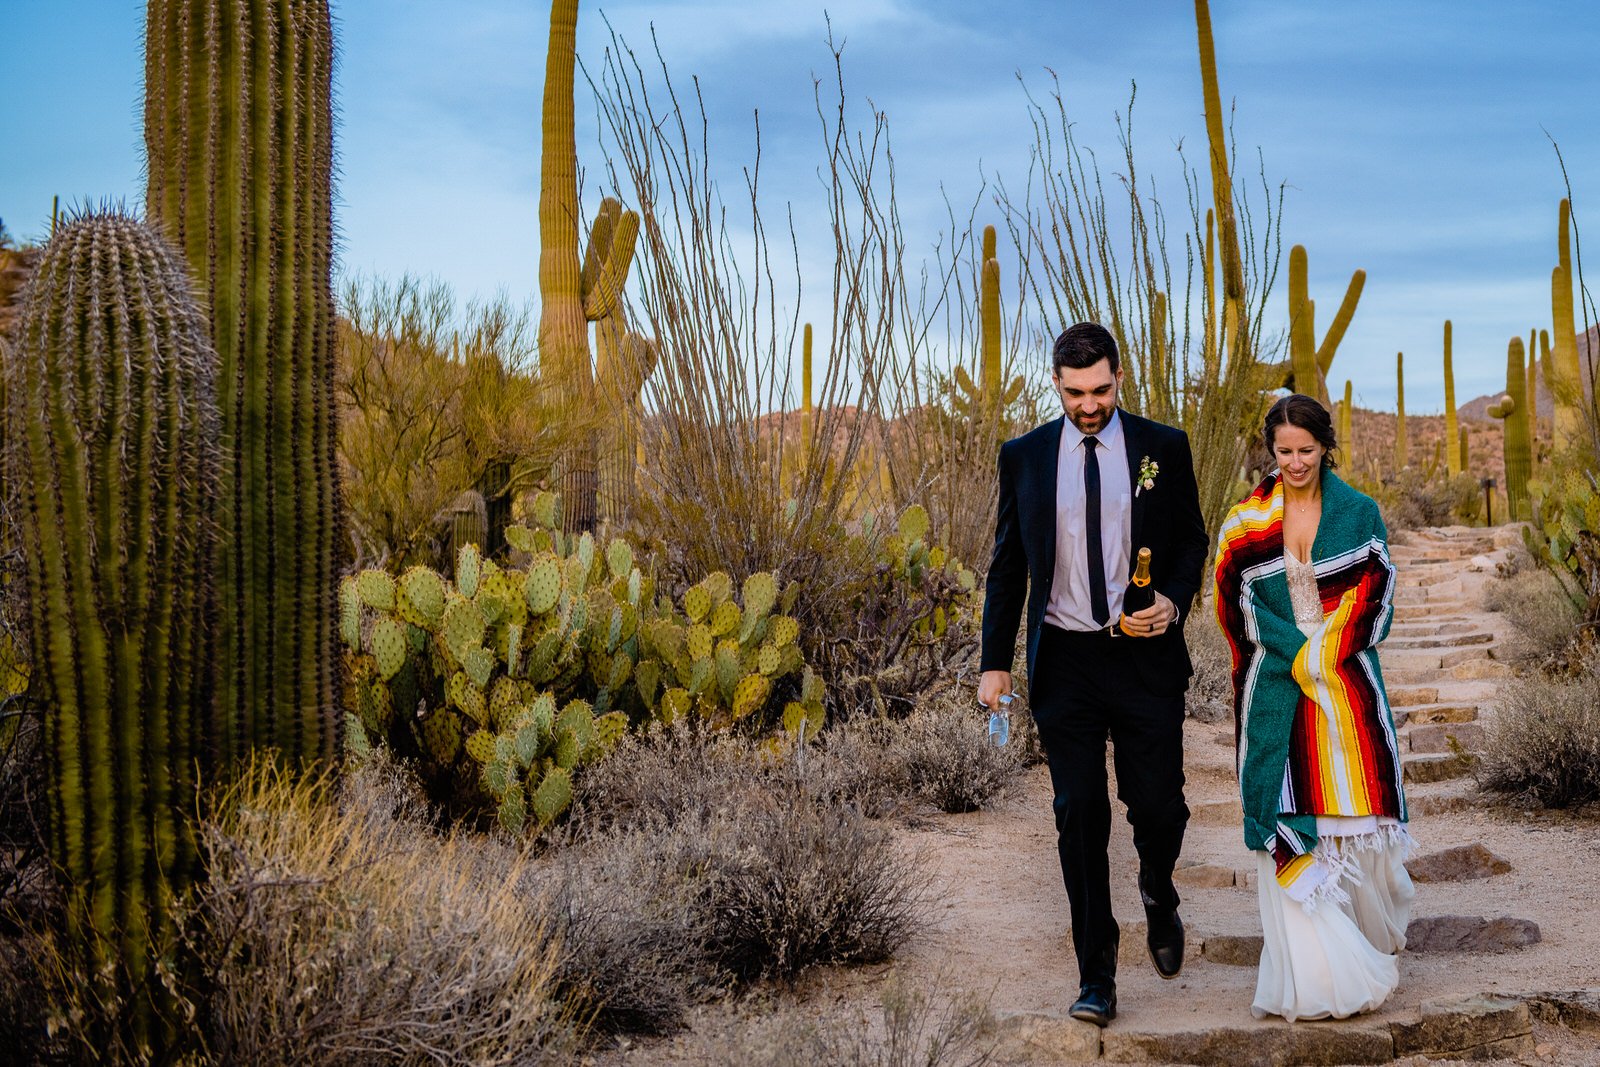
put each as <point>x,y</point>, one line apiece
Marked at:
<point>1095,1004</point>
<point>1164,937</point>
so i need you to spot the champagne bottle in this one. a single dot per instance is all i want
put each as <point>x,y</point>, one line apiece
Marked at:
<point>1140,594</point>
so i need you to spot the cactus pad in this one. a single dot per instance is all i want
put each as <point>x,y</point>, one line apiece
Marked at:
<point>768,659</point>
<point>719,585</point>
<point>725,619</point>
<point>584,553</point>
<point>609,730</point>
<point>697,602</point>
<point>701,673</point>
<point>729,668</point>
<point>546,510</point>
<point>421,598</point>
<point>750,694</point>
<point>349,617</point>
<point>513,810</point>
<point>505,702</point>
<point>498,776</point>
<point>542,586</point>
<point>699,641</point>
<point>801,722</point>
<point>467,570</point>
<point>646,677</point>
<point>568,750</point>
<point>621,671</point>
<point>760,593</point>
<point>376,589</point>
<point>388,647</point>
<point>469,698</point>
<point>674,705</point>
<point>635,587</point>
<point>619,557</point>
<point>479,664</point>
<point>463,627</point>
<point>480,746</point>
<point>553,796</point>
<point>520,538</point>
<point>441,735</point>
<point>914,524</point>
<point>784,630</point>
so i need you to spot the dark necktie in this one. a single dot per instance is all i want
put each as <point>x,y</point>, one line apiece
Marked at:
<point>1091,522</point>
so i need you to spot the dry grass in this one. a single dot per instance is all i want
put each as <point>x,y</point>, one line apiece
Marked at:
<point>1210,696</point>
<point>917,1027</point>
<point>1544,746</point>
<point>944,753</point>
<point>1544,618</point>
<point>348,933</point>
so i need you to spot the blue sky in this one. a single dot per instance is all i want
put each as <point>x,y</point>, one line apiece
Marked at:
<point>1412,136</point>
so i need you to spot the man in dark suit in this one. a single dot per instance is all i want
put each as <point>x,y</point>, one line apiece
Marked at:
<point>1079,497</point>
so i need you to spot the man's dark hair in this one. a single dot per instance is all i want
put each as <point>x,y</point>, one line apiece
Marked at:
<point>1308,414</point>
<point>1082,346</point>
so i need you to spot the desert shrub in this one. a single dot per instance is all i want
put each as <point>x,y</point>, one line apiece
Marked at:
<point>1425,496</point>
<point>340,931</point>
<point>1544,745</point>
<point>917,1027</point>
<point>1210,696</point>
<point>944,752</point>
<point>1544,619</point>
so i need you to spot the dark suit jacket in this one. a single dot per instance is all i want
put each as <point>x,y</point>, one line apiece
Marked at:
<point>1166,519</point>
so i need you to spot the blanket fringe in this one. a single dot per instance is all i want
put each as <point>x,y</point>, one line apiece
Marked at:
<point>1334,867</point>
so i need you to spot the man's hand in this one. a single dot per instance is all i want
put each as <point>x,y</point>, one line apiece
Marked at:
<point>1153,620</point>
<point>993,685</point>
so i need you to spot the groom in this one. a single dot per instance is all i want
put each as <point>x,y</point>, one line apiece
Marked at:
<point>1079,496</point>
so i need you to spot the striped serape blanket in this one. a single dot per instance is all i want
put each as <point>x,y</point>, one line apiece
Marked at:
<point>1313,731</point>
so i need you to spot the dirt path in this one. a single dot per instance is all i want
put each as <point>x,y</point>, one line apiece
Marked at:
<point>1000,920</point>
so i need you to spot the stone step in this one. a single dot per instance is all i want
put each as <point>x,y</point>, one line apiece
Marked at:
<point>1438,713</point>
<point>1433,628</point>
<point>1429,768</point>
<point>1430,804</point>
<point>1436,738</point>
<point>1422,660</point>
<point>1406,698</point>
<point>1444,641</point>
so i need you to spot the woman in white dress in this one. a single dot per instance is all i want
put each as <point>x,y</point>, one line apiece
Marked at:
<point>1304,596</point>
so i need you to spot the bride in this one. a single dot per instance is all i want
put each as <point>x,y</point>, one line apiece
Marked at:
<point>1304,594</point>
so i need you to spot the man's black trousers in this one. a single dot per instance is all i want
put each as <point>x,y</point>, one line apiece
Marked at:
<point>1088,686</point>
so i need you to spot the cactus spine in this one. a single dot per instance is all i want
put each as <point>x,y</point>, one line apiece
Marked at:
<point>1512,408</point>
<point>239,134</point>
<point>1310,362</point>
<point>1401,451</point>
<point>1453,456</point>
<point>1563,373</point>
<point>113,428</point>
<point>573,293</point>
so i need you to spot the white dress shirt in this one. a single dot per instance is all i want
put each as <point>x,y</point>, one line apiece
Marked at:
<point>1069,593</point>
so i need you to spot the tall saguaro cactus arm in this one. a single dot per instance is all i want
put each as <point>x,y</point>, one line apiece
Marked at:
<point>239,137</point>
<point>1221,182</point>
<point>1512,407</point>
<point>1452,453</point>
<point>112,434</point>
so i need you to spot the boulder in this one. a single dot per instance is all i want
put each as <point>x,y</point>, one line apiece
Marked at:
<point>1464,863</point>
<point>1470,933</point>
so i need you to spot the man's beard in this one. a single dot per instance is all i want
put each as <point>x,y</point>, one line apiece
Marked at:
<point>1089,425</point>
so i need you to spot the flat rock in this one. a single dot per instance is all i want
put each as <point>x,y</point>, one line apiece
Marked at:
<point>1478,1027</point>
<point>1446,641</point>
<point>1422,769</point>
<point>1033,1037</point>
<point>1406,698</point>
<point>1233,950</point>
<point>1439,804</point>
<point>1464,863</point>
<point>1204,876</point>
<point>1475,669</point>
<point>1457,656</point>
<point>1443,713</point>
<point>1436,738</point>
<point>1577,1009</point>
<point>1480,563</point>
<point>1309,1043</point>
<point>1470,933</point>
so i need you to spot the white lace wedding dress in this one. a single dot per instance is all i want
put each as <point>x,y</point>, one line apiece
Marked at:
<point>1335,954</point>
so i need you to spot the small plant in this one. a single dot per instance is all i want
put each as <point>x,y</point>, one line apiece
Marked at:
<point>1544,746</point>
<point>944,754</point>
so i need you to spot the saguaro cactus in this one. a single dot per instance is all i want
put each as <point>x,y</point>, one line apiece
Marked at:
<point>1452,455</point>
<point>1235,322</point>
<point>238,128</point>
<point>987,398</point>
<point>1310,362</point>
<point>113,430</point>
<point>1401,451</point>
<point>1512,408</point>
<point>573,294</point>
<point>1563,372</point>
<point>1347,440</point>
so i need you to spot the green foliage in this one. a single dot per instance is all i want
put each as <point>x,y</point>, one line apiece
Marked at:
<point>113,427</point>
<point>1566,533</point>
<point>541,670</point>
<point>239,143</point>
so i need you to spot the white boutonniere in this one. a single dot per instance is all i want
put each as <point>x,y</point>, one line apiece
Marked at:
<point>1147,475</point>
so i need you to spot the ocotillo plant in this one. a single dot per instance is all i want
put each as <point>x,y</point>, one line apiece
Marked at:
<point>1563,373</point>
<point>239,135</point>
<point>1450,424</point>
<point>1310,362</point>
<point>1512,408</point>
<point>113,427</point>
<point>1401,451</point>
<point>573,294</point>
<point>1347,440</point>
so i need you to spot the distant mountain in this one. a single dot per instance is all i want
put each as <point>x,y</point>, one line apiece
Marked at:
<point>1477,409</point>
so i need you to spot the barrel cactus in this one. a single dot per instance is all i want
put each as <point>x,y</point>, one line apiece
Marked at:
<point>238,128</point>
<point>112,427</point>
